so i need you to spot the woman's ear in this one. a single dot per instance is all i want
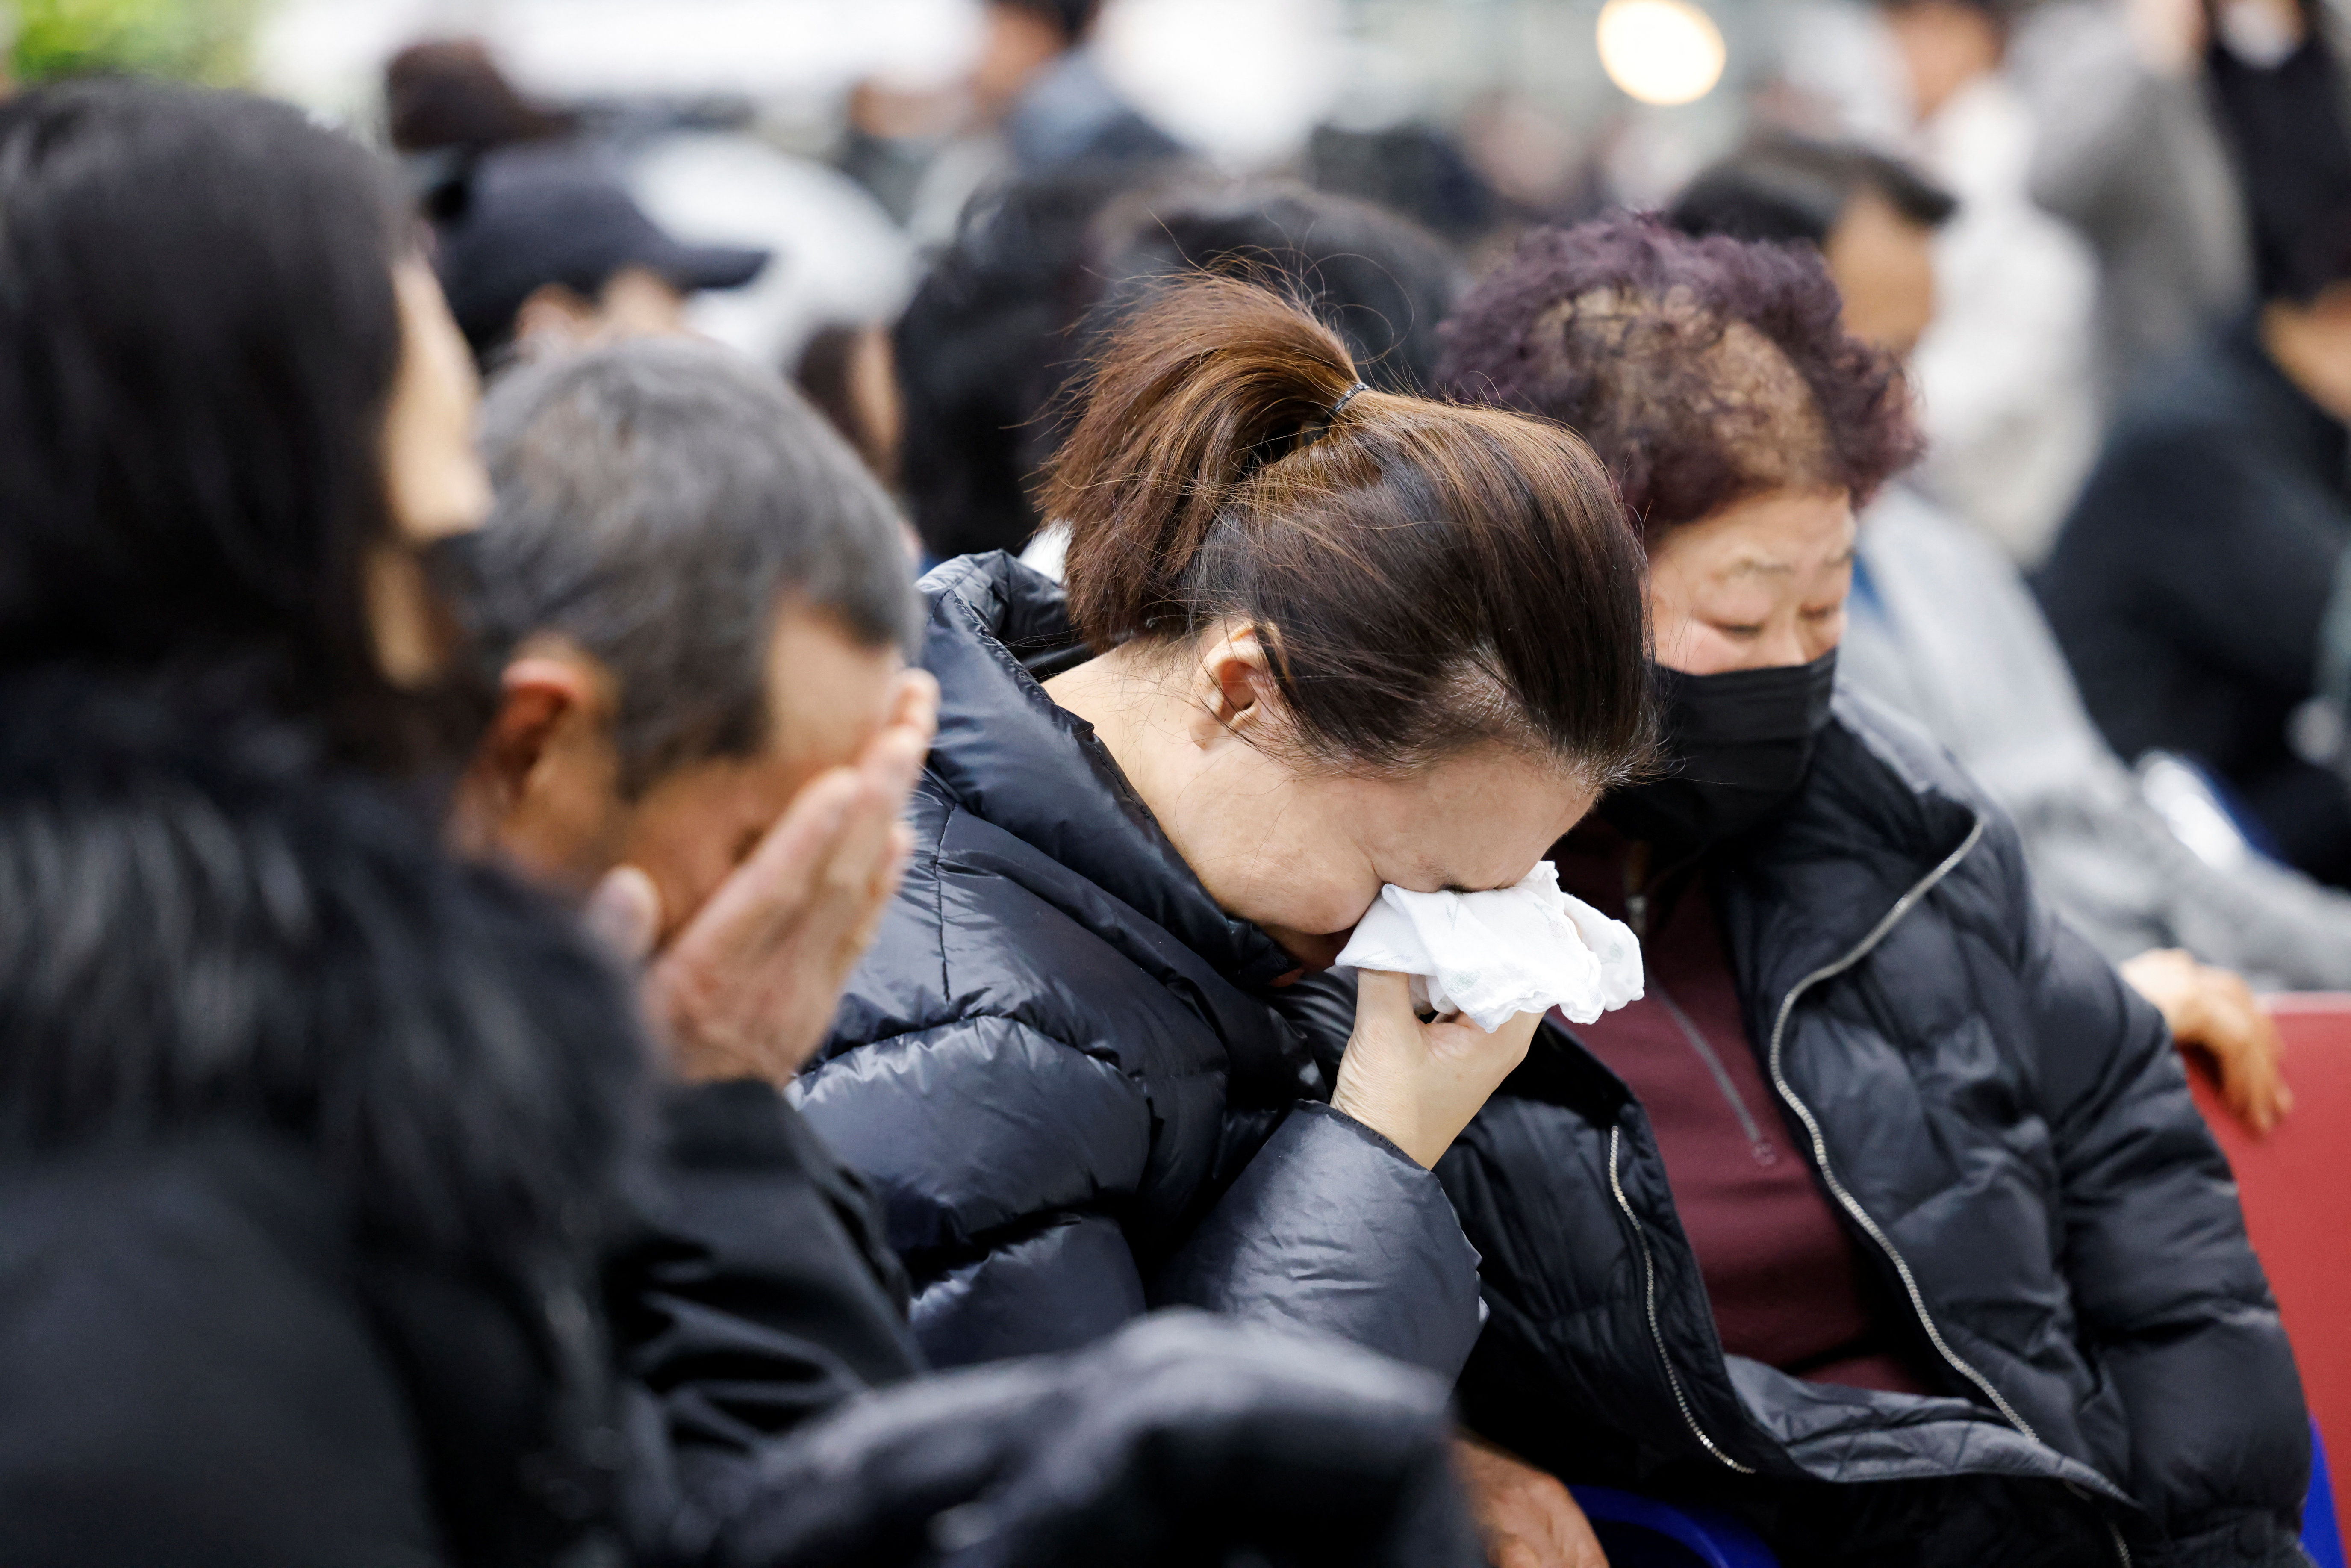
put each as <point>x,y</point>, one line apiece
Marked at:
<point>1237,694</point>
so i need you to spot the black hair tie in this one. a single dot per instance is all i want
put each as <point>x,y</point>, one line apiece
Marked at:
<point>1344,399</point>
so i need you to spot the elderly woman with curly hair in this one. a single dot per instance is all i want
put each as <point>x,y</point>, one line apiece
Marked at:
<point>1885,1219</point>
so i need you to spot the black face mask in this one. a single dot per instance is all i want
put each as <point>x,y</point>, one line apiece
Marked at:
<point>1737,748</point>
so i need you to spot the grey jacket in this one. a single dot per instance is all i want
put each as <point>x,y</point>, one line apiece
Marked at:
<point>1944,630</point>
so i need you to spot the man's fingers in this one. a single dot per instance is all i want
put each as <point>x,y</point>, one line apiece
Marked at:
<point>914,719</point>
<point>862,846</point>
<point>624,913</point>
<point>2269,1098</point>
<point>2244,1041</point>
<point>885,884</point>
<point>917,704</point>
<point>893,761</point>
<point>784,873</point>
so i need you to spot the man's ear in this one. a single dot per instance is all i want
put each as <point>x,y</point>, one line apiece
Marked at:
<point>1236,686</point>
<point>556,311</point>
<point>546,702</point>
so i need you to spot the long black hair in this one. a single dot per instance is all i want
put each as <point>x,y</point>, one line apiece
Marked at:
<point>218,911</point>
<point>199,339</point>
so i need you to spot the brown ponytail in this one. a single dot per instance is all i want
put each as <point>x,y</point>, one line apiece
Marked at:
<point>1426,575</point>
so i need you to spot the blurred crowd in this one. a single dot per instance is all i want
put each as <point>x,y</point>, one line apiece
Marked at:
<point>559,1008</point>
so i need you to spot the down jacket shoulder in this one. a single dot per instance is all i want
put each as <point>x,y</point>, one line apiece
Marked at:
<point>1061,1067</point>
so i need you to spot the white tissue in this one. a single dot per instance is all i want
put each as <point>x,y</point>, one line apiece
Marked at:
<point>1522,949</point>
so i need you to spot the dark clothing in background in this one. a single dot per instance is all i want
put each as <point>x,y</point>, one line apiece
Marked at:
<point>1071,113</point>
<point>313,1143</point>
<point>1064,1071</point>
<point>201,1362</point>
<point>2016,1128</point>
<point>1786,1283</point>
<point>320,1162</point>
<point>2285,124</point>
<point>2189,585</point>
<point>199,1367</point>
<point>762,1253</point>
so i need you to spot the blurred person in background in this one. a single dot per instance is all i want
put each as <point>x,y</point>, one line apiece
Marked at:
<point>2129,153</point>
<point>449,97</point>
<point>325,1156</point>
<point>1038,81</point>
<point>1540,167</point>
<point>542,252</point>
<point>1006,317</point>
<point>1039,102</point>
<point>695,166</point>
<point>846,373</point>
<point>2005,375</point>
<point>1872,219</point>
<point>1380,281</point>
<point>1885,1219</point>
<point>1095,1064</point>
<point>1420,172</point>
<point>1942,628</point>
<point>2190,585</point>
<point>982,350</point>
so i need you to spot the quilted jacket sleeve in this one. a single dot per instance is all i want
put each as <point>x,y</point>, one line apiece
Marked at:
<point>2165,1282</point>
<point>1006,1158</point>
<point>1334,1231</point>
<point>1002,1156</point>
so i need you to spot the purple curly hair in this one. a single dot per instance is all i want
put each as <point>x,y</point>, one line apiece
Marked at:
<point>1701,371</point>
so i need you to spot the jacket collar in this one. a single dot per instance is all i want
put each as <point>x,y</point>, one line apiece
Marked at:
<point>1011,756</point>
<point>1878,812</point>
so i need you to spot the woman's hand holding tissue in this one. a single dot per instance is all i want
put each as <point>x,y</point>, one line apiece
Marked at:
<point>1496,960</point>
<point>1418,1084</point>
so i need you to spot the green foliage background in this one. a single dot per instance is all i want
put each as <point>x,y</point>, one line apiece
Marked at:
<point>197,40</point>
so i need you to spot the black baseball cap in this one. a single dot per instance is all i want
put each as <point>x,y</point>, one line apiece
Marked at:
<point>528,217</point>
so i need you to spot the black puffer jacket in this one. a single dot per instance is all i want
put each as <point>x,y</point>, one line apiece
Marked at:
<point>1061,1067</point>
<point>2007,1131</point>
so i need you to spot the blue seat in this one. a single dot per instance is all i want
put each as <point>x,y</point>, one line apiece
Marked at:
<point>1638,1533</point>
<point>2322,1534</point>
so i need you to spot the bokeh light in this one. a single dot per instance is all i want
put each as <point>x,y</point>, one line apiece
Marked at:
<point>1660,51</point>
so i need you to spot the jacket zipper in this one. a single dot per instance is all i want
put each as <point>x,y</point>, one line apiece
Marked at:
<point>1757,1147</point>
<point>1649,1289</point>
<point>1846,1199</point>
<point>1637,916</point>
